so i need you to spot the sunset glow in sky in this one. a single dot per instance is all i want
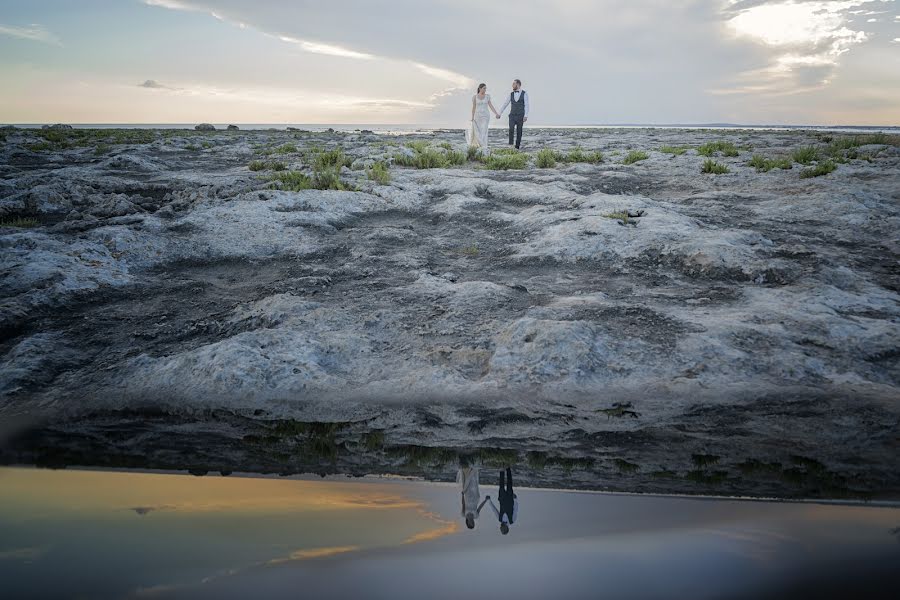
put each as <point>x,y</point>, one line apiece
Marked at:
<point>354,61</point>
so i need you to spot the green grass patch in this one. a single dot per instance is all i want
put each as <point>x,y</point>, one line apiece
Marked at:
<point>379,173</point>
<point>422,456</point>
<point>417,145</point>
<point>577,155</point>
<point>374,440</point>
<point>722,147</point>
<point>701,461</point>
<point>23,222</point>
<point>806,155</point>
<point>505,161</point>
<point>635,156</point>
<point>506,151</point>
<point>329,178</point>
<point>473,153</point>
<point>455,157</point>
<point>334,158</point>
<point>713,167</point>
<point>625,467</point>
<point>673,150</point>
<point>547,158</point>
<point>292,181</point>
<point>753,466</point>
<point>39,146</point>
<point>285,149</point>
<point>498,457</point>
<point>764,165</point>
<point>822,168</point>
<point>470,250</point>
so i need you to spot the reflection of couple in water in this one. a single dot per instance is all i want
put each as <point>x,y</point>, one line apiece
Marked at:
<point>467,479</point>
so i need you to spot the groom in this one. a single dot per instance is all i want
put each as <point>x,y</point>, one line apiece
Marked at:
<point>518,114</point>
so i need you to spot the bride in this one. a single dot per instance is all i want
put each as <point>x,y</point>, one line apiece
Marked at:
<point>477,133</point>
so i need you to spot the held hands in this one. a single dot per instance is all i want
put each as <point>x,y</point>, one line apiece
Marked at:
<point>525,120</point>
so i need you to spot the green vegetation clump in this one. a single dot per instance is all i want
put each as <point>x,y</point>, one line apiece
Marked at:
<point>673,150</point>
<point>711,148</point>
<point>455,157</point>
<point>635,156</point>
<point>547,158</point>
<point>806,155</point>
<point>473,153</point>
<point>702,461</point>
<point>39,146</point>
<point>373,440</point>
<point>577,155</point>
<point>625,467</point>
<point>329,178</point>
<point>471,250</point>
<point>498,457</point>
<point>823,168</point>
<point>63,139</point>
<point>102,149</point>
<point>417,145</point>
<point>379,173</point>
<point>502,161</point>
<point>292,181</point>
<point>711,166</point>
<point>764,165</point>
<point>263,165</point>
<point>285,149</point>
<point>334,158</point>
<point>425,157</point>
<point>422,456</point>
<point>429,158</point>
<point>20,222</point>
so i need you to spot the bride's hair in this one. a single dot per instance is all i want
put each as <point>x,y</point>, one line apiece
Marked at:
<point>480,85</point>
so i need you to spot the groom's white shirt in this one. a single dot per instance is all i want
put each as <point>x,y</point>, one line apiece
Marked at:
<point>516,98</point>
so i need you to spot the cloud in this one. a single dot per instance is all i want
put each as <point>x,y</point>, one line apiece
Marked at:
<point>35,33</point>
<point>326,49</point>
<point>152,84</point>
<point>806,40</point>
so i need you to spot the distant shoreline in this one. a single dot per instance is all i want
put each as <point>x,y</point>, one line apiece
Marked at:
<point>400,127</point>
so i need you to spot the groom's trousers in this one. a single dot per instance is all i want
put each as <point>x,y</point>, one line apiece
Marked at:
<point>515,127</point>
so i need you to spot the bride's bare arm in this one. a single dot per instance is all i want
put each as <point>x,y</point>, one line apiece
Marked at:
<point>473,108</point>
<point>491,104</point>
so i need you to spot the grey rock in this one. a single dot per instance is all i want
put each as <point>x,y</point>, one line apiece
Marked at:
<point>205,127</point>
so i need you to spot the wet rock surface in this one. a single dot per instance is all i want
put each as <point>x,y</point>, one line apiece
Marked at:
<point>601,325</point>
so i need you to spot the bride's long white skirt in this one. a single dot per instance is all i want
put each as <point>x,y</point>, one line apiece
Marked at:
<point>477,133</point>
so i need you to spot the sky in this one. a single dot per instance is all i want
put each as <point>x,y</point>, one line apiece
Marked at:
<point>806,62</point>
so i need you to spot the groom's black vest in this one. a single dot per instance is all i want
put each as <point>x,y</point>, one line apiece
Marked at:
<point>518,108</point>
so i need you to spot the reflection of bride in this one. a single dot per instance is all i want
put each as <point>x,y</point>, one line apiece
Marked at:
<point>477,133</point>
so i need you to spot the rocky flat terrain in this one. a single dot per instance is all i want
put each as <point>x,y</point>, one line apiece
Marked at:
<point>633,309</point>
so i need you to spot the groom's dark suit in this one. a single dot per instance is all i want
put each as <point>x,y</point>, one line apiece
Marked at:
<point>516,116</point>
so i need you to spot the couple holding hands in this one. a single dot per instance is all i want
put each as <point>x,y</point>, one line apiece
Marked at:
<point>477,133</point>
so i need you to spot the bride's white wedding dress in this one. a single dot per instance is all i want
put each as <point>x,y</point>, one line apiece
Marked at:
<point>477,132</point>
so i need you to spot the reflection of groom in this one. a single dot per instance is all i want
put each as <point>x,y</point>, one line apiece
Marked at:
<point>518,114</point>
